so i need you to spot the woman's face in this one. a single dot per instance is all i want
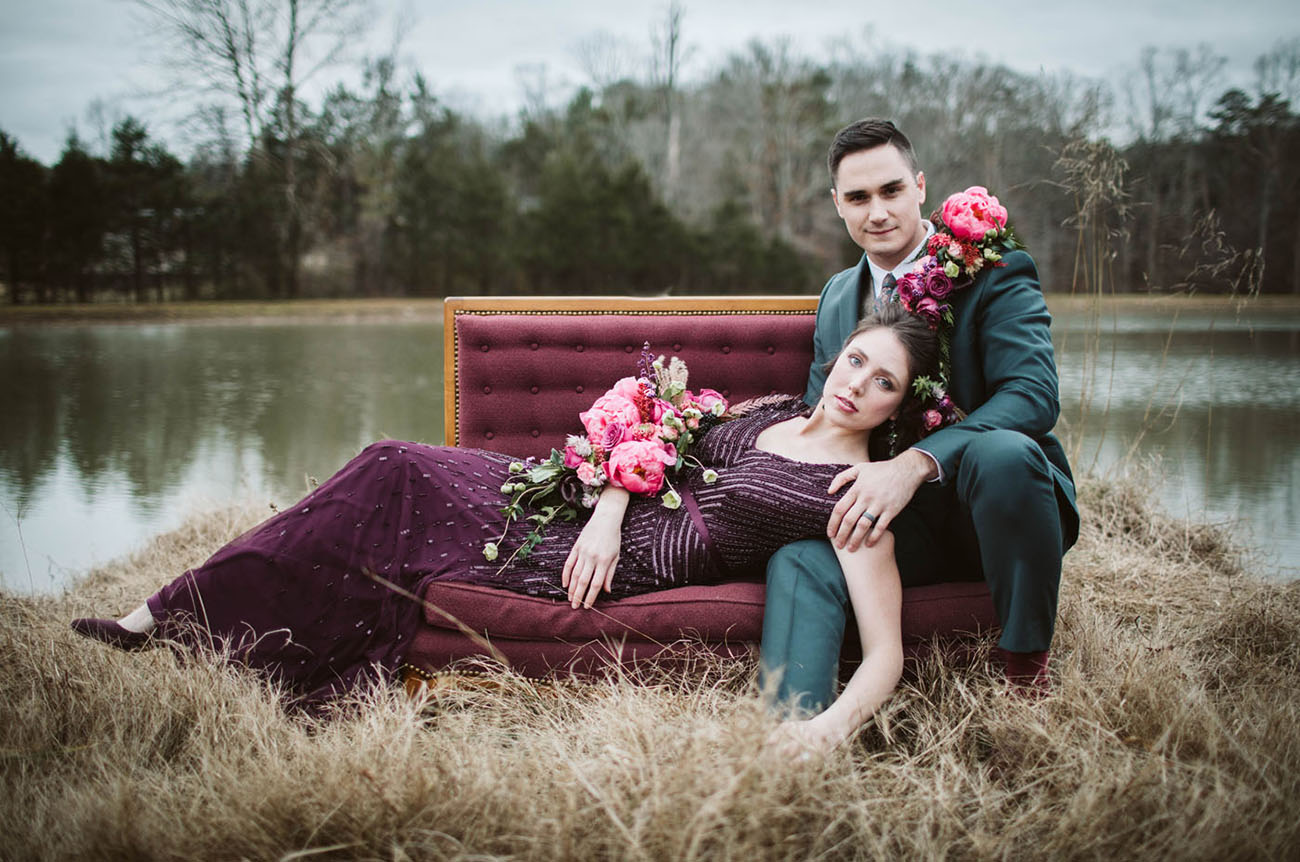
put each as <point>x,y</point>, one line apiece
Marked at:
<point>868,382</point>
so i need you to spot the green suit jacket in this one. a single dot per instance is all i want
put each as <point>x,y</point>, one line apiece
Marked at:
<point>1003,366</point>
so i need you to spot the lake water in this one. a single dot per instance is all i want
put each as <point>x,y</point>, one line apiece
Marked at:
<point>111,434</point>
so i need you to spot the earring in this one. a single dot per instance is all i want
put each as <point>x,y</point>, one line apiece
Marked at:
<point>893,438</point>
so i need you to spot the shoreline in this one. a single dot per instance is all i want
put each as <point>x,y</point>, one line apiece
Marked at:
<point>350,310</point>
<point>404,310</point>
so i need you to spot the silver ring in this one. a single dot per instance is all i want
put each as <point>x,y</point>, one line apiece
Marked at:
<point>870,517</point>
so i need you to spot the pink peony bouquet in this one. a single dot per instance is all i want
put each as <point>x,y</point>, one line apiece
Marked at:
<point>636,435</point>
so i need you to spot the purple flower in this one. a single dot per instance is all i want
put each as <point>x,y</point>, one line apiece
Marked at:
<point>571,490</point>
<point>930,310</point>
<point>909,289</point>
<point>614,433</point>
<point>937,283</point>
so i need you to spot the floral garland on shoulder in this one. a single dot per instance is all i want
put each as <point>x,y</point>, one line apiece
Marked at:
<point>971,232</point>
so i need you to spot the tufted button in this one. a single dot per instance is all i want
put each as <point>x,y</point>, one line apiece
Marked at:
<point>726,393</point>
<point>535,433</point>
<point>770,350</point>
<point>489,435</point>
<point>628,349</point>
<point>579,348</point>
<point>533,345</point>
<point>726,348</point>
<point>487,390</point>
<point>578,389</point>
<point>484,348</point>
<point>533,389</point>
<point>677,346</point>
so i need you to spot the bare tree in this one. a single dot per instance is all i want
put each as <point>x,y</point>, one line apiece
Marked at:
<point>1278,71</point>
<point>775,104</point>
<point>1171,91</point>
<point>258,54</point>
<point>666,62</point>
<point>605,58</point>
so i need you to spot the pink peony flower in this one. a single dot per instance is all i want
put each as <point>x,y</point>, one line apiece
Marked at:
<point>638,466</point>
<point>973,213</point>
<point>628,387</point>
<point>586,473</point>
<point>572,458</point>
<point>610,407</point>
<point>933,419</point>
<point>659,409</point>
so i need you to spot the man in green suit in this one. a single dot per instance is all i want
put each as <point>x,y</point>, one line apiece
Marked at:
<point>990,497</point>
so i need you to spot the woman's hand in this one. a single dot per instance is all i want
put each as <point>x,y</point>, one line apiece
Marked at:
<point>594,556</point>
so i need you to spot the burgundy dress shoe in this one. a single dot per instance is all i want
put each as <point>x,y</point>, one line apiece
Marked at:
<point>1027,672</point>
<point>109,632</point>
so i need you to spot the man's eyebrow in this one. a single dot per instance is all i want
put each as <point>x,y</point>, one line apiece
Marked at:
<point>891,186</point>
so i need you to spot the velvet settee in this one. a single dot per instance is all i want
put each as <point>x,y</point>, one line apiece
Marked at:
<point>517,373</point>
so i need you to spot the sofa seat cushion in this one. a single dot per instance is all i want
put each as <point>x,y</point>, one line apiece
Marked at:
<point>732,611</point>
<point>539,637</point>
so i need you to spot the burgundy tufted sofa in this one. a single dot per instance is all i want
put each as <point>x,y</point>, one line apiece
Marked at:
<point>519,370</point>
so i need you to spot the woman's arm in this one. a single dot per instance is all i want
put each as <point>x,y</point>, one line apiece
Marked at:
<point>877,598</point>
<point>591,563</point>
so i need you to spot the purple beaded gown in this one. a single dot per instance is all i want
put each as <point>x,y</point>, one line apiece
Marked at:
<point>322,596</point>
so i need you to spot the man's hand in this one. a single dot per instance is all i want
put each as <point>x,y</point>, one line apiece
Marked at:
<point>881,489</point>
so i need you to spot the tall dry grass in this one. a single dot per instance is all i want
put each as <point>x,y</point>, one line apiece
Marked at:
<point>1173,733</point>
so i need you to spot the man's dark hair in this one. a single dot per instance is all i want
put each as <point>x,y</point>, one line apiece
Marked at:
<point>867,134</point>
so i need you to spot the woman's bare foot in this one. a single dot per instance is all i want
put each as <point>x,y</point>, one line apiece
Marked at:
<point>804,740</point>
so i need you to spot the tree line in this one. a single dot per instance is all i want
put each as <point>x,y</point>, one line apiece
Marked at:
<point>642,184</point>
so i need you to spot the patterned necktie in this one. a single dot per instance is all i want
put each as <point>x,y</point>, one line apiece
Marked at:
<point>888,291</point>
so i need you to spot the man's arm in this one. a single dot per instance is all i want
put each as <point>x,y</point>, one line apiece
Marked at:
<point>1015,368</point>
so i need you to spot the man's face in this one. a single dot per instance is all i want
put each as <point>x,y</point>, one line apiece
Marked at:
<point>880,201</point>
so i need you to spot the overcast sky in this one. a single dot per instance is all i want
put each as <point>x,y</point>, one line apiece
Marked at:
<point>57,56</point>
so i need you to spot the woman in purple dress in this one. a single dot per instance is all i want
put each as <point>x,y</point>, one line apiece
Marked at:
<point>323,597</point>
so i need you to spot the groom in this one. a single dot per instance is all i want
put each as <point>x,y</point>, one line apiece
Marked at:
<point>990,497</point>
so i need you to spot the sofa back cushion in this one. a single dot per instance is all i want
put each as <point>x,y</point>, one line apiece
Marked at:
<point>519,370</point>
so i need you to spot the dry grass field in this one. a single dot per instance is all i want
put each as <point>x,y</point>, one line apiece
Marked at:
<point>1173,733</point>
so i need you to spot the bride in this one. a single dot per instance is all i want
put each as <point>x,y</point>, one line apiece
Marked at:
<point>318,597</point>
